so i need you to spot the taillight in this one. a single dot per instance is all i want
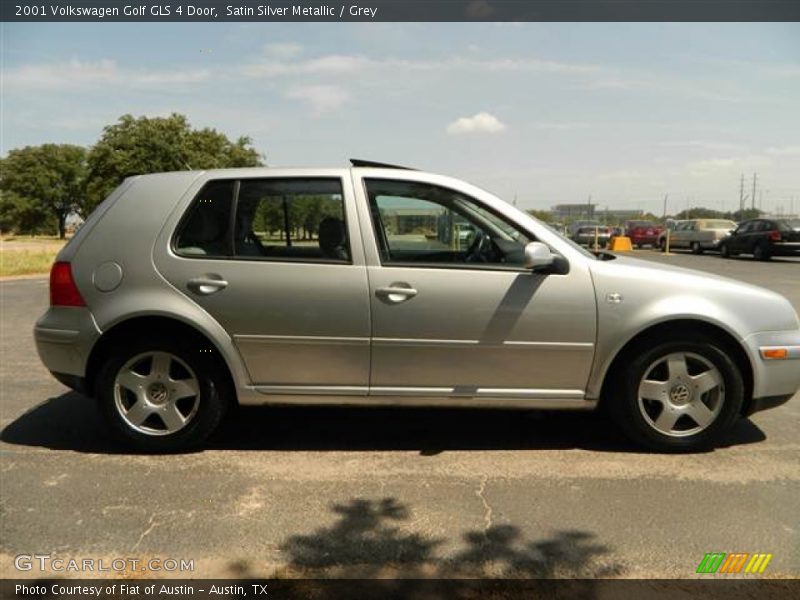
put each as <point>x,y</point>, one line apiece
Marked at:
<point>63,291</point>
<point>775,236</point>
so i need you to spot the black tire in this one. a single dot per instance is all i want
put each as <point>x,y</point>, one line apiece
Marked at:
<point>662,243</point>
<point>624,406</point>
<point>724,251</point>
<point>211,402</point>
<point>696,249</point>
<point>761,251</point>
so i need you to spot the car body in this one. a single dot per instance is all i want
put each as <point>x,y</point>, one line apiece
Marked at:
<point>697,235</point>
<point>642,233</point>
<point>186,292</point>
<point>763,238</point>
<point>590,233</point>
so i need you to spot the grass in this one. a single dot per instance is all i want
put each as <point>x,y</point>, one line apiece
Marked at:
<point>27,255</point>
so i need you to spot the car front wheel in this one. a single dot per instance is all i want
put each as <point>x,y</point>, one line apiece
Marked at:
<point>679,396</point>
<point>161,396</point>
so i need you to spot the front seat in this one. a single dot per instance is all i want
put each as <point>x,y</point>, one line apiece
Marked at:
<point>333,239</point>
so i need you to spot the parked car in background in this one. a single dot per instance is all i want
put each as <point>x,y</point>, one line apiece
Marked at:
<point>591,233</point>
<point>187,293</point>
<point>643,233</point>
<point>697,234</point>
<point>763,238</point>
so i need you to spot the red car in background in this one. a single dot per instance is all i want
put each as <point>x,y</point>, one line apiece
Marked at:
<point>643,233</point>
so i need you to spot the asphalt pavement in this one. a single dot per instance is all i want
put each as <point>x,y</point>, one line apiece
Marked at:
<point>372,492</point>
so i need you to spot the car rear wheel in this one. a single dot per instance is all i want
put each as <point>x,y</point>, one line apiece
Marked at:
<point>761,251</point>
<point>724,251</point>
<point>160,396</point>
<point>679,396</point>
<point>696,248</point>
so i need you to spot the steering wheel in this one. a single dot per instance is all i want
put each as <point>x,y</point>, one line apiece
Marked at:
<point>478,247</point>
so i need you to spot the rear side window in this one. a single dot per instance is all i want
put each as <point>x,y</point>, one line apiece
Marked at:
<point>293,219</point>
<point>204,231</point>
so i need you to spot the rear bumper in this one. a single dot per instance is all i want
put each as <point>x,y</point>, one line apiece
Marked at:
<point>644,240</point>
<point>785,249</point>
<point>64,338</point>
<point>71,381</point>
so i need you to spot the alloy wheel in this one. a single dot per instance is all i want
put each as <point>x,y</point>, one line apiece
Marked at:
<point>156,393</point>
<point>681,394</point>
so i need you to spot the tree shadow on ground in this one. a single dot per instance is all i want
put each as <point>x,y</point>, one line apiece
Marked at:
<point>373,540</point>
<point>71,422</point>
<point>368,540</point>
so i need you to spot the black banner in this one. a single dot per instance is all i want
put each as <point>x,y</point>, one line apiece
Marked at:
<point>400,10</point>
<point>384,589</point>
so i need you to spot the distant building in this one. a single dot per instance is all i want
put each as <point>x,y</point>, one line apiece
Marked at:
<point>592,211</point>
<point>573,211</point>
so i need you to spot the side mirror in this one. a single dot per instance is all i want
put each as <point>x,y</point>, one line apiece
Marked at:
<point>538,255</point>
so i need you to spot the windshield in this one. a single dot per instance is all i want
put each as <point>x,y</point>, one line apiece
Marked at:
<point>793,223</point>
<point>720,224</point>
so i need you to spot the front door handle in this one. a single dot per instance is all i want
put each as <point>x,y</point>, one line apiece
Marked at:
<point>207,285</point>
<point>396,293</point>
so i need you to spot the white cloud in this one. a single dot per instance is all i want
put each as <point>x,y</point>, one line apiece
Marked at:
<point>337,64</point>
<point>77,74</point>
<point>283,50</point>
<point>331,64</point>
<point>320,98</point>
<point>784,151</point>
<point>703,145</point>
<point>482,122</point>
<point>732,164</point>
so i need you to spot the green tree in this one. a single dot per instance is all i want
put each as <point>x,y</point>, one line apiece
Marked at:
<point>699,212</point>
<point>134,146</point>
<point>542,215</point>
<point>42,181</point>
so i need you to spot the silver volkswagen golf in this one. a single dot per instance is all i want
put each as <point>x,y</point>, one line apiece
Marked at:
<point>187,292</point>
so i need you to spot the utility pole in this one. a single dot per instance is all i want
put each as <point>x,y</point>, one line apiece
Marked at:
<point>753,197</point>
<point>665,207</point>
<point>741,194</point>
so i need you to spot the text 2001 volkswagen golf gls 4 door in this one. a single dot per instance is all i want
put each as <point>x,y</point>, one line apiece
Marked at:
<point>186,292</point>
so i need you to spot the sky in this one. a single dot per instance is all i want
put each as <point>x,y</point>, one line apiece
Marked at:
<point>545,113</point>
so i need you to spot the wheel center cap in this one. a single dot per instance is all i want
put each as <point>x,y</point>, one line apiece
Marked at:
<point>680,394</point>
<point>157,393</point>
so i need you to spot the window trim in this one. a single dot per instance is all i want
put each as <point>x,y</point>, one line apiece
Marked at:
<point>230,234</point>
<point>442,265</point>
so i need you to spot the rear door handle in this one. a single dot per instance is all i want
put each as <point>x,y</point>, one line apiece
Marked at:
<point>396,293</point>
<point>207,285</point>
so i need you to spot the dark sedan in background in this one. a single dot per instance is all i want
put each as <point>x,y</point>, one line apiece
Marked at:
<point>763,238</point>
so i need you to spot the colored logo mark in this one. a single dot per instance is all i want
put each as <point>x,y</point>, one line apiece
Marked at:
<point>736,562</point>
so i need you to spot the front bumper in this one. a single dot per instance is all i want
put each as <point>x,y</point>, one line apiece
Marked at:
<point>775,381</point>
<point>64,338</point>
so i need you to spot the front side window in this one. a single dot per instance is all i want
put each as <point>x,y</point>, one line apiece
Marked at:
<point>423,223</point>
